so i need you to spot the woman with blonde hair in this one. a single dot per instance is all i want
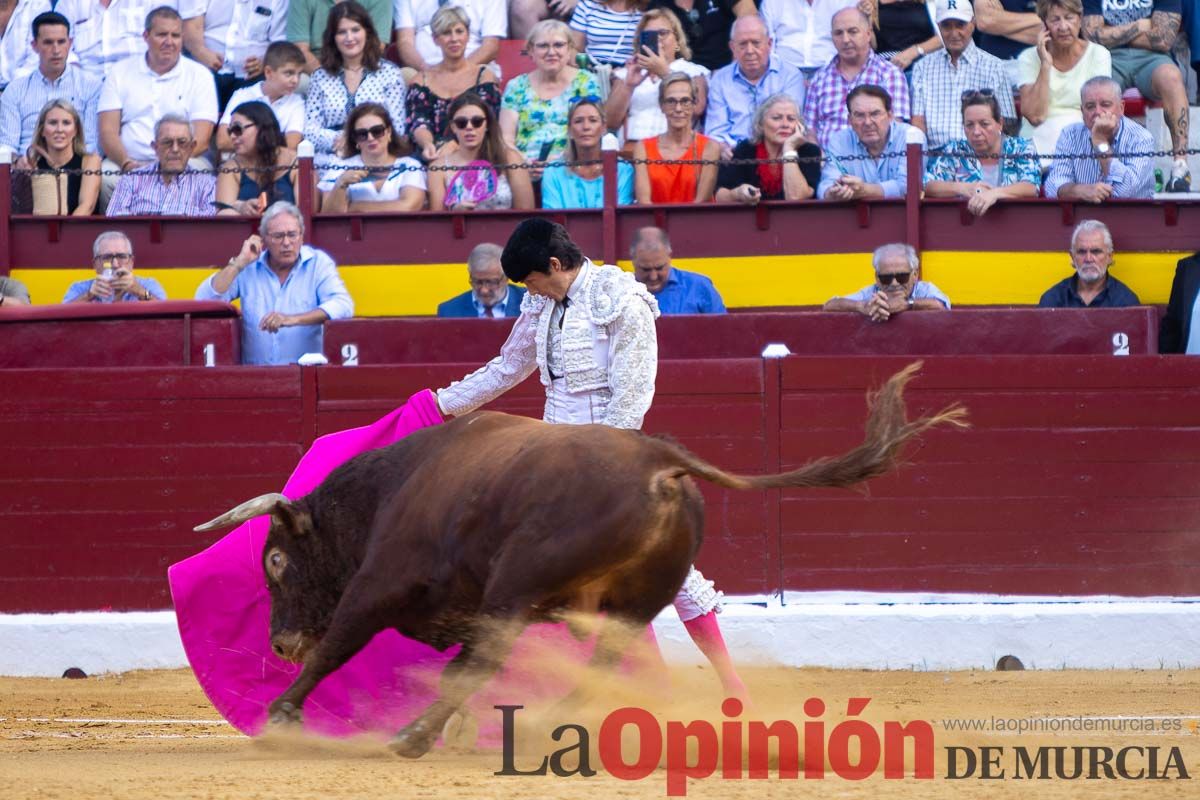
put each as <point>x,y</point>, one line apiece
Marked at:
<point>633,100</point>
<point>533,113</point>
<point>567,184</point>
<point>432,91</point>
<point>60,158</point>
<point>788,164</point>
<point>676,183</point>
<point>481,171</point>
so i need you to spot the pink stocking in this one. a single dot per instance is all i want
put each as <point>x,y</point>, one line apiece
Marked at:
<point>706,633</point>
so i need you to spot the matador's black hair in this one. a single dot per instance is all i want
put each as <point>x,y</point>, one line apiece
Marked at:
<point>532,245</point>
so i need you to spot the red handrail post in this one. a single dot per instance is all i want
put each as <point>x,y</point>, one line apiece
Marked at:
<point>307,195</point>
<point>6,156</point>
<point>912,195</point>
<point>608,218</point>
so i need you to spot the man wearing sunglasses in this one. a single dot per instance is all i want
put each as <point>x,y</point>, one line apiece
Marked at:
<point>897,288</point>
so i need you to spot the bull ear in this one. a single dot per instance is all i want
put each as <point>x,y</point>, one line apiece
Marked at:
<point>263,504</point>
<point>295,521</point>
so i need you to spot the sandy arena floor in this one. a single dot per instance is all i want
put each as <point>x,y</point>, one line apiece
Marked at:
<point>153,735</point>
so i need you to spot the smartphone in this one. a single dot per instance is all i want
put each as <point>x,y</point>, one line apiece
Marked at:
<point>544,153</point>
<point>648,39</point>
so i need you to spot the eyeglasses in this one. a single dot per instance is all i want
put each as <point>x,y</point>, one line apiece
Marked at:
<point>237,129</point>
<point>285,236</point>
<point>175,144</point>
<point>373,132</point>
<point>486,283</point>
<point>677,102</point>
<point>475,122</point>
<point>885,279</point>
<point>114,257</point>
<point>546,47</point>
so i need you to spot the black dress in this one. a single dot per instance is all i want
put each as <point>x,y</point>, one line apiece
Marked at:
<point>902,25</point>
<point>731,176</point>
<point>74,178</point>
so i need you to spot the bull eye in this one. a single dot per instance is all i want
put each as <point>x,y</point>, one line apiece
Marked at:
<point>276,562</point>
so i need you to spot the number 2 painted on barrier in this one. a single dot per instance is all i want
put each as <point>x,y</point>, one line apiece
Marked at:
<point>349,355</point>
<point>1120,343</point>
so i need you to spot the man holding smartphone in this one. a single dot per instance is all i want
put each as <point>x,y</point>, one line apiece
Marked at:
<point>112,258</point>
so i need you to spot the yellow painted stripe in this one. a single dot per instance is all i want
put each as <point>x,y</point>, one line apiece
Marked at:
<point>968,278</point>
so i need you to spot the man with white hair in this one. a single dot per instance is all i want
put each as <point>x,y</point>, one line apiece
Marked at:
<point>491,295</point>
<point>166,186</point>
<point>112,259</point>
<point>288,290</point>
<point>1091,286</point>
<point>1111,154</point>
<point>734,91</point>
<point>897,288</point>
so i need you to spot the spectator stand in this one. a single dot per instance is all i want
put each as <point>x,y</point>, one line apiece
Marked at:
<point>772,254</point>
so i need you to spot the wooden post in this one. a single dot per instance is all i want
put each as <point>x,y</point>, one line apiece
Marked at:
<point>307,198</point>
<point>608,219</point>
<point>912,196</point>
<point>6,157</point>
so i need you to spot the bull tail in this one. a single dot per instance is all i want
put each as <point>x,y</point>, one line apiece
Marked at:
<point>888,430</point>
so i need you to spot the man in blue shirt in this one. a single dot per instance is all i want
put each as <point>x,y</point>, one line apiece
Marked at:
<point>867,161</point>
<point>1091,286</point>
<point>734,91</point>
<point>677,291</point>
<point>898,287</point>
<point>287,291</point>
<point>491,295</point>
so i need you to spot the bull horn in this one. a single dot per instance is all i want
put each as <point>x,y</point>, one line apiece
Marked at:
<point>263,504</point>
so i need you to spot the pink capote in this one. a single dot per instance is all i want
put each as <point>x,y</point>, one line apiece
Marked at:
<point>223,611</point>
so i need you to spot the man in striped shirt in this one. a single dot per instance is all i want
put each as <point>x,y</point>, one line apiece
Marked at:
<point>166,187</point>
<point>854,65</point>
<point>54,78</point>
<point>1104,156</point>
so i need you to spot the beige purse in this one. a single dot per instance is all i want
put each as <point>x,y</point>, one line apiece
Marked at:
<point>49,193</point>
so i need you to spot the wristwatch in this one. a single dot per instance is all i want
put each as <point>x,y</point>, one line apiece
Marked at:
<point>1103,148</point>
<point>920,51</point>
<point>911,302</point>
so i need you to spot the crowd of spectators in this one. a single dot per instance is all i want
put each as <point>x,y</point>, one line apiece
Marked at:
<point>199,107</point>
<point>707,101</point>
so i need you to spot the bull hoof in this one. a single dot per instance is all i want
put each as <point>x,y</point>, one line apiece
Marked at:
<point>285,715</point>
<point>460,731</point>
<point>414,741</point>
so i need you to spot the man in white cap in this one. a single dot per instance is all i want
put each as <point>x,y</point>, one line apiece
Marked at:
<point>940,78</point>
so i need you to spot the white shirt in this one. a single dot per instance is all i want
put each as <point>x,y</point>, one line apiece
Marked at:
<point>238,29</point>
<point>143,97</point>
<point>17,57</point>
<point>289,109</point>
<point>486,18</point>
<point>801,31</point>
<point>104,36</point>
<point>405,172</point>
<point>645,119</point>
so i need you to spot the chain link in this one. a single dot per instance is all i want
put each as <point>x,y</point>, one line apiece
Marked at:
<point>823,159</point>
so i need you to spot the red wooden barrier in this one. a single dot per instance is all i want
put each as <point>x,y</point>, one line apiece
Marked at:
<point>168,333</point>
<point>408,340</point>
<point>1079,476</point>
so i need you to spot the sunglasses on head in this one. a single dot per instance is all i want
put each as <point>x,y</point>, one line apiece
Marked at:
<point>971,94</point>
<point>373,132</point>
<point>463,122</point>
<point>899,277</point>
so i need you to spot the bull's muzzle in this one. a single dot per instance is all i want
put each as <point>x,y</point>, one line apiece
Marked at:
<point>292,645</point>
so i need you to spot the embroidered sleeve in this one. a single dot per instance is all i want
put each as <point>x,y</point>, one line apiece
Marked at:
<point>632,365</point>
<point>517,359</point>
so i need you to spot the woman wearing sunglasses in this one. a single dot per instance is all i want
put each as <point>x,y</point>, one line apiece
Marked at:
<point>483,171</point>
<point>986,166</point>
<point>567,184</point>
<point>432,92</point>
<point>676,183</point>
<point>262,169</point>
<point>374,176</point>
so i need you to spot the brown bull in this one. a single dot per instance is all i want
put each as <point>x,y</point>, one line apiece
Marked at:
<point>465,533</point>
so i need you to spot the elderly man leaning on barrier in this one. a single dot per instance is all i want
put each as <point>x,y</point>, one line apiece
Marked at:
<point>491,295</point>
<point>112,258</point>
<point>1107,155</point>
<point>677,291</point>
<point>897,288</point>
<point>166,186</point>
<point>868,160</point>
<point>288,290</point>
<point>1091,286</point>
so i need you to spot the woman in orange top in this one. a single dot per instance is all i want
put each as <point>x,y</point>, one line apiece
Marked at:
<point>676,183</point>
